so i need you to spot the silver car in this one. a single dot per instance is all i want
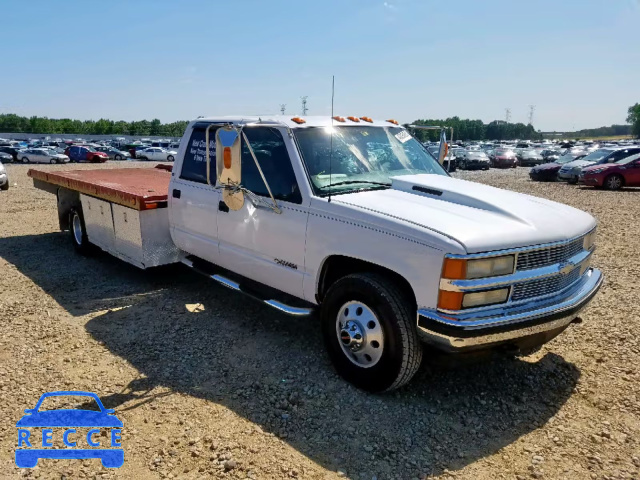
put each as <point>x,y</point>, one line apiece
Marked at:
<point>114,153</point>
<point>41,155</point>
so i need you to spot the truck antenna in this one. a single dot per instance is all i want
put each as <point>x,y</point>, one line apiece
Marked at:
<point>333,90</point>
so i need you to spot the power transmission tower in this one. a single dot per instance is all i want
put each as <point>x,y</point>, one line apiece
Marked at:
<point>304,105</point>
<point>507,115</point>
<point>532,109</point>
<point>283,107</point>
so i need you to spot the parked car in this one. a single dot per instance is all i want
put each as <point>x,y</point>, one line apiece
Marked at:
<point>114,153</point>
<point>42,155</point>
<point>4,179</point>
<point>528,158</point>
<point>550,155</point>
<point>548,172</point>
<point>157,154</point>
<point>13,151</point>
<point>474,159</point>
<point>613,176</point>
<point>503,158</point>
<point>5,158</point>
<point>84,153</point>
<point>571,171</point>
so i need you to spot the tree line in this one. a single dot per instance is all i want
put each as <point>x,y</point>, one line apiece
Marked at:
<point>466,129</point>
<point>11,123</point>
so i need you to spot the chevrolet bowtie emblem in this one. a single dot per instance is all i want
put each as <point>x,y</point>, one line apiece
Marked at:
<point>565,268</point>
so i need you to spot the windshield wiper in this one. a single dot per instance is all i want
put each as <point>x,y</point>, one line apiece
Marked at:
<point>351,182</point>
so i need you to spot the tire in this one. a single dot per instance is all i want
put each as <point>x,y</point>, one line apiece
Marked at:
<point>143,158</point>
<point>118,157</point>
<point>170,158</point>
<point>5,186</point>
<point>390,324</point>
<point>572,181</point>
<point>613,182</point>
<point>53,161</point>
<point>25,160</point>
<point>78,232</point>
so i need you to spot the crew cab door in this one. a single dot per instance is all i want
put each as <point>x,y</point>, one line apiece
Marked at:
<point>193,202</point>
<point>256,241</point>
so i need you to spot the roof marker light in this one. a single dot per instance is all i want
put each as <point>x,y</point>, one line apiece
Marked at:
<point>338,118</point>
<point>354,119</point>
<point>391,120</point>
<point>298,120</point>
<point>367,119</point>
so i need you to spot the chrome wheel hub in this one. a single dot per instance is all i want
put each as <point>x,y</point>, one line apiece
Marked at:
<point>77,229</point>
<point>360,334</point>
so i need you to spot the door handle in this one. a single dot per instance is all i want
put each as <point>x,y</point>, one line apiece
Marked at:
<point>176,193</point>
<point>223,207</point>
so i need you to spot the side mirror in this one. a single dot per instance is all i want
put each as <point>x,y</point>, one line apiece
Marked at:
<point>109,411</point>
<point>228,165</point>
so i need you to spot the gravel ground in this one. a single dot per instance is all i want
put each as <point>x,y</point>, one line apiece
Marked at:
<point>210,384</point>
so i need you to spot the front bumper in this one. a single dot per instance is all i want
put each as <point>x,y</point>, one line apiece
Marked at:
<point>512,324</point>
<point>3,178</point>
<point>567,175</point>
<point>595,181</point>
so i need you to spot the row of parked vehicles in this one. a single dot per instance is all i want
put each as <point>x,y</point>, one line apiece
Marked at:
<point>62,152</point>
<point>609,167</point>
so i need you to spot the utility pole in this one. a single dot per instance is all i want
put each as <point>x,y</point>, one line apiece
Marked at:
<point>304,105</point>
<point>283,107</point>
<point>532,109</point>
<point>507,115</point>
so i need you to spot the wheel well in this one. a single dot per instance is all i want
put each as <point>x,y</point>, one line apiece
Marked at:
<point>67,199</point>
<point>338,266</point>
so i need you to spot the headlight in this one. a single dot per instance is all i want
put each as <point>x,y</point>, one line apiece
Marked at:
<point>476,299</point>
<point>589,240</point>
<point>483,267</point>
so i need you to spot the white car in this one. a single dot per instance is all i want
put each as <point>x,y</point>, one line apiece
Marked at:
<point>4,180</point>
<point>41,155</point>
<point>157,153</point>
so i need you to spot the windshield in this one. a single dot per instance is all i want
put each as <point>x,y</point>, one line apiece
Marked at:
<point>91,149</point>
<point>361,157</point>
<point>502,151</point>
<point>597,155</point>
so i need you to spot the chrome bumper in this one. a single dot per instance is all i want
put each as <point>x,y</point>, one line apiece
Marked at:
<point>493,327</point>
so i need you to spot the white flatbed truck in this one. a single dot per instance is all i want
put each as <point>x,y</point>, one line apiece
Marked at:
<point>352,218</point>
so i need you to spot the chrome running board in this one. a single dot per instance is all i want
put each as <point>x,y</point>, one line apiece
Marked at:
<point>233,285</point>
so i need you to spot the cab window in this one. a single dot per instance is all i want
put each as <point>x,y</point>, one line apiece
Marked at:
<point>194,165</point>
<point>271,153</point>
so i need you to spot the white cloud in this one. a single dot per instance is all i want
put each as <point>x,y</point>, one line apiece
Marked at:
<point>389,6</point>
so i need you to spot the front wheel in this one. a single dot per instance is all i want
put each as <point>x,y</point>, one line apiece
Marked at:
<point>572,181</point>
<point>25,160</point>
<point>613,182</point>
<point>53,161</point>
<point>170,158</point>
<point>369,328</point>
<point>118,157</point>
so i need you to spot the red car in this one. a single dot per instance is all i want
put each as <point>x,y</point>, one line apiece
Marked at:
<point>85,153</point>
<point>612,176</point>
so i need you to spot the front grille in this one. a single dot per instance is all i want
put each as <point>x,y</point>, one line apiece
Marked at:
<point>548,256</point>
<point>545,286</point>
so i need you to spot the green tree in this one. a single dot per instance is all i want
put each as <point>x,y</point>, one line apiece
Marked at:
<point>634,119</point>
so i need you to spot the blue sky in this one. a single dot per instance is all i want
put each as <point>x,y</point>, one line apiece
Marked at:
<point>578,61</point>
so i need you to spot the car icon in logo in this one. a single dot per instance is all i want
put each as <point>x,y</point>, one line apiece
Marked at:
<point>27,453</point>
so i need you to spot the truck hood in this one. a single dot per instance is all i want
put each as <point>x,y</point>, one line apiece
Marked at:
<point>481,218</point>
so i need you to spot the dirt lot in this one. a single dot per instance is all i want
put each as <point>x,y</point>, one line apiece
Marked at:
<point>210,384</point>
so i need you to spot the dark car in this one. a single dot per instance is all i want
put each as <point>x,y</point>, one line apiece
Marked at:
<point>13,151</point>
<point>550,155</point>
<point>528,158</point>
<point>474,159</point>
<point>548,172</point>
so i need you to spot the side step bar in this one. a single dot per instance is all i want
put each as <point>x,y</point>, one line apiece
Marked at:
<point>288,309</point>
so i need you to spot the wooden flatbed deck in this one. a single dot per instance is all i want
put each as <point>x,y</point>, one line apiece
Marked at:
<point>137,188</point>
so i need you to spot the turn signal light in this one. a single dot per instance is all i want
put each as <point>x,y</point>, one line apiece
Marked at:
<point>337,118</point>
<point>391,120</point>
<point>227,157</point>
<point>454,269</point>
<point>450,300</point>
<point>354,119</point>
<point>367,119</point>
<point>298,120</point>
